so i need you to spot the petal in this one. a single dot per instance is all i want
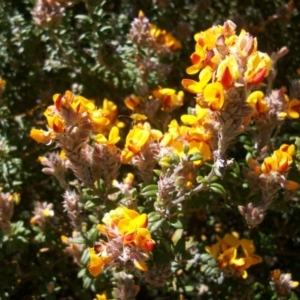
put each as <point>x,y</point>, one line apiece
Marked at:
<point>293,284</point>
<point>140,264</point>
<point>189,119</point>
<point>291,185</point>
<point>293,114</point>
<point>126,226</point>
<point>231,240</point>
<point>130,213</point>
<point>247,246</point>
<point>141,221</point>
<point>64,239</point>
<point>40,136</point>
<point>193,69</point>
<point>114,135</point>
<point>214,250</point>
<point>192,86</point>
<point>100,139</point>
<point>255,259</point>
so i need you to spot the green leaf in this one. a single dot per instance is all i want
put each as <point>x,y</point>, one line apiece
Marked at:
<point>177,235</point>
<point>84,18</point>
<point>104,28</point>
<point>156,225</point>
<point>82,273</point>
<point>157,172</point>
<point>78,240</point>
<point>153,217</point>
<point>89,205</point>
<point>217,188</point>
<point>150,190</point>
<point>85,257</point>
<point>293,296</point>
<point>195,156</point>
<point>93,233</point>
<point>93,219</point>
<point>87,281</point>
<point>177,224</point>
<point>236,169</point>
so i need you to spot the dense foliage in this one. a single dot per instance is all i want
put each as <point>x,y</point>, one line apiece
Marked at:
<point>165,184</point>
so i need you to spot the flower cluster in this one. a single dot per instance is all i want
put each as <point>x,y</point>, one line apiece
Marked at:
<point>164,38</point>
<point>188,140</point>
<point>226,58</point>
<point>48,13</point>
<point>274,168</point>
<point>229,66</point>
<point>269,111</point>
<point>268,178</point>
<point>71,121</point>
<point>71,110</point>
<point>128,245</point>
<point>74,250</point>
<point>282,283</point>
<point>144,33</point>
<point>43,213</point>
<point>165,99</point>
<point>169,154</point>
<point>229,259</point>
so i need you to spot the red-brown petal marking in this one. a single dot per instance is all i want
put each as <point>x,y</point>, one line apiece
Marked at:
<point>58,102</point>
<point>226,79</point>
<point>259,76</point>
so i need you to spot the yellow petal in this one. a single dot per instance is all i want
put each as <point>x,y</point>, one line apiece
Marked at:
<point>189,119</point>
<point>293,284</point>
<point>231,240</point>
<point>247,246</point>
<point>140,264</point>
<point>100,139</point>
<point>193,69</point>
<point>141,221</point>
<point>40,136</point>
<point>64,239</point>
<point>291,185</point>
<point>114,135</point>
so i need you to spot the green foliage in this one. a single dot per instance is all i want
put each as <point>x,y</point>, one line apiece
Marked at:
<point>88,52</point>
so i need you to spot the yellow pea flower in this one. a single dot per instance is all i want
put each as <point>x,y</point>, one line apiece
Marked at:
<point>293,109</point>
<point>191,119</point>
<point>228,72</point>
<point>103,296</point>
<point>226,253</point>
<point>227,257</point>
<point>100,118</point>
<point>214,95</point>
<point>132,102</point>
<point>98,263</point>
<point>81,104</point>
<point>257,102</point>
<point>41,136</point>
<point>168,97</point>
<point>193,86</point>
<point>197,59</point>
<point>135,141</point>
<point>113,137</point>
<point>258,67</point>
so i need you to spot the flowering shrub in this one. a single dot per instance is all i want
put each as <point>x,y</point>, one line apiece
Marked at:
<point>183,190</point>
